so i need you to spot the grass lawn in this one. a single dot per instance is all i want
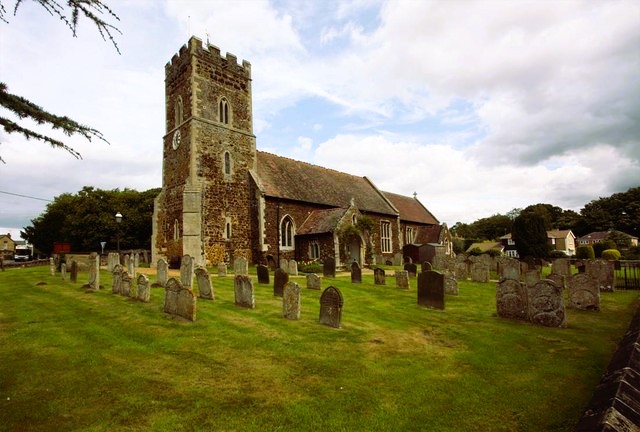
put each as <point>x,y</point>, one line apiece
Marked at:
<point>71,360</point>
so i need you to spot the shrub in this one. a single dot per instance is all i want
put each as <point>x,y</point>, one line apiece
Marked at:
<point>475,251</point>
<point>598,248</point>
<point>557,254</point>
<point>611,254</point>
<point>310,267</point>
<point>633,253</point>
<point>585,252</point>
<point>493,253</point>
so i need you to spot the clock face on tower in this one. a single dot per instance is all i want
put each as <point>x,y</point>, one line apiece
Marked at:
<point>176,140</point>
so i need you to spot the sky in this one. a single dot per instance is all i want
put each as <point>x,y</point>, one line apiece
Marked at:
<point>479,107</point>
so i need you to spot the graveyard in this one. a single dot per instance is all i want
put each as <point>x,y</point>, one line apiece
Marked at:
<point>77,356</point>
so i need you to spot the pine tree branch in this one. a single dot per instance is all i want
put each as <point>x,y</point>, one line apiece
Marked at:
<point>12,127</point>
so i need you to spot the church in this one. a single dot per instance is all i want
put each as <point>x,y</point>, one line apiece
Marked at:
<point>221,198</point>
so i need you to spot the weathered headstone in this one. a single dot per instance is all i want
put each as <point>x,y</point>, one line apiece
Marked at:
<point>291,301</point>
<point>402,279</point>
<point>63,271</point>
<point>603,272</point>
<point>116,273</point>
<point>143,291</point>
<point>425,266</point>
<point>479,272</point>
<point>222,269</point>
<point>162,272</point>
<point>263,273</point>
<point>397,259</point>
<point>531,277</point>
<point>462,269</point>
<point>583,292</point>
<point>136,260</point>
<point>510,268</point>
<point>52,266</point>
<point>356,273</point>
<point>280,279</point>
<point>314,281</point>
<point>125,284</point>
<point>293,268</point>
<point>439,261</point>
<point>450,282</point>
<point>204,284</point>
<point>240,266</point>
<point>379,276</point>
<point>284,265</point>
<point>557,279</point>
<point>511,299</point>
<point>186,271</point>
<point>331,304</point>
<point>74,271</point>
<point>431,289</point>
<point>329,267</point>
<point>127,263</point>
<point>243,289</point>
<point>94,272</point>
<point>412,269</point>
<point>561,266</point>
<point>179,301</point>
<point>546,306</point>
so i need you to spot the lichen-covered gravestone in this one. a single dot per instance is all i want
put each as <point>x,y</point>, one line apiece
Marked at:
<point>204,283</point>
<point>450,282</point>
<point>243,290</point>
<point>280,279</point>
<point>546,306</point>
<point>379,277</point>
<point>402,279</point>
<point>263,274</point>
<point>222,269</point>
<point>331,303</point>
<point>356,273</point>
<point>510,268</point>
<point>314,281</point>
<point>511,299</point>
<point>291,301</point>
<point>186,271</point>
<point>284,265</point>
<point>52,266</point>
<point>561,266</point>
<point>179,300</point>
<point>240,266</point>
<point>583,292</point>
<point>479,272</point>
<point>603,272</point>
<point>125,284</point>
<point>425,266</point>
<point>531,277</point>
<point>329,267</point>
<point>144,292</point>
<point>431,289</point>
<point>94,273</point>
<point>63,271</point>
<point>293,268</point>
<point>162,275</point>
<point>116,273</point>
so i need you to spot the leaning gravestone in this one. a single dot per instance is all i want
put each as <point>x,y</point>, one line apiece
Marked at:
<point>179,301</point>
<point>74,271</point>
<point>431,289</point>
<point>125,284</point>
<point>204,283</point>
<point>293,268</point>
<point>450,282</point>
<point>162,272</point>
<point>186,271</point>
<point>583,292</point>
<point>314,281</point>
<point>94,272</point>
<point>291,301</point>
<point>243,290</point>
<point>144,292</point>
<point>412,269</point>
<point>331,304</point>
<point>511,299</point>
<point>222,269</point>
<point>546,306</point>
<point>329,267</point>
<point>280,279</point>
<point>603,272</point>
<point>263,273</point>
<point>240,266</point>
<point>379,277</point>
<point>117,279</point>
<point>402,279</point>
<point>63,271</point>
<point>356,273</point>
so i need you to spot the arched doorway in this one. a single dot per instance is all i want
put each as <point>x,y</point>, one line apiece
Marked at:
<point>355,250</point>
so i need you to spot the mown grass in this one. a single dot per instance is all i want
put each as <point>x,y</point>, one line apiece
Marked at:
<point>71,360</point>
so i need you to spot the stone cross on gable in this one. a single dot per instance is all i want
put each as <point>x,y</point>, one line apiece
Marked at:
<point>352,202</point>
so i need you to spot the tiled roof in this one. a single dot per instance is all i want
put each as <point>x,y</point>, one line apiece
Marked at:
<point>428,234</point>
<point>285,178</point>
<point>321,221</point>
<point>411,210</point>
<point>485,246</point>
<point>558,233</point>
<point>601,235</point>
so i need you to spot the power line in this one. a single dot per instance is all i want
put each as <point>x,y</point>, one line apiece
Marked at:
<point>25,196</point>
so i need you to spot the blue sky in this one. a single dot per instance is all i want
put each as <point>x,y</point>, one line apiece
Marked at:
<point>478,106</point>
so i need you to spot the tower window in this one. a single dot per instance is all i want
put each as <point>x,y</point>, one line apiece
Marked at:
<point>227,163</point>
<point>227,229</point>
<point>287,232</point>
<point>223,111</point>
<point>176,230</point>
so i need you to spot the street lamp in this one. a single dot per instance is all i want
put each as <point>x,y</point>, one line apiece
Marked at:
<point>118,220</point>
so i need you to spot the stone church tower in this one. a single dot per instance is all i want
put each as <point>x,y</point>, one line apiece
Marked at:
<point>209,152</point>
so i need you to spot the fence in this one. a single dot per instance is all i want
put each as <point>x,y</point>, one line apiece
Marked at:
<point>627,274</point>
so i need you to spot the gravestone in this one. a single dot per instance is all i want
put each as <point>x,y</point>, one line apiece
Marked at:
<point>263,273</point>
<point>136,260</point>
<point>94,272</point>
<point>179,300</point>
<point>439,261</point>
<point>116,287</point>
<point>243,290</point>
<point>52,266</point>
<point>74,271</point>
<point>557,279</point>
<point>397,259</point>
<point>162,272</point>
<point>204,284</point>
<point>402,279</point>
<point>127,263</point>
<point>546,306</point>
<point>510,269</point>
<point>280,279</point>
<point>411,268</point>
<point>329,267</point>
<point>314,281</point>
<point>143,291</point>
<point>186,271</point>
<point>293,268</point>
<point>222,269</point>
<point>63,271</point>
<point>131,268</point>
<point>425,266</point>
<point>408,260</point>
<point>331,304</point>
<point>462,270</point>
<point>450,282</point>
<point>284,264</point>
<point>511,299</point>
<point>125,284</point>
<point>431,289</point>
<point>583,292</point>
<point>379,276</point>
<point>240,266</point>
<point>603,272</point>
<point>479,272</point>
<point>561,266</point>
<point>531,277</point>
<point>356,273</point>
<point>291,301</point>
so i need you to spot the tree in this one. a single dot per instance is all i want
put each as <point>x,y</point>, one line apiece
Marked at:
<point>620,211</point>
<point>530,235</point>
<point>23,108</point>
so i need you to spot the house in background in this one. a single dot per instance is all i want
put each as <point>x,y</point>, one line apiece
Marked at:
<point>509,246</point>
<point>7,246</point>
<point>560,240</point>
<point>486,246</point>
<point>622,239</point>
